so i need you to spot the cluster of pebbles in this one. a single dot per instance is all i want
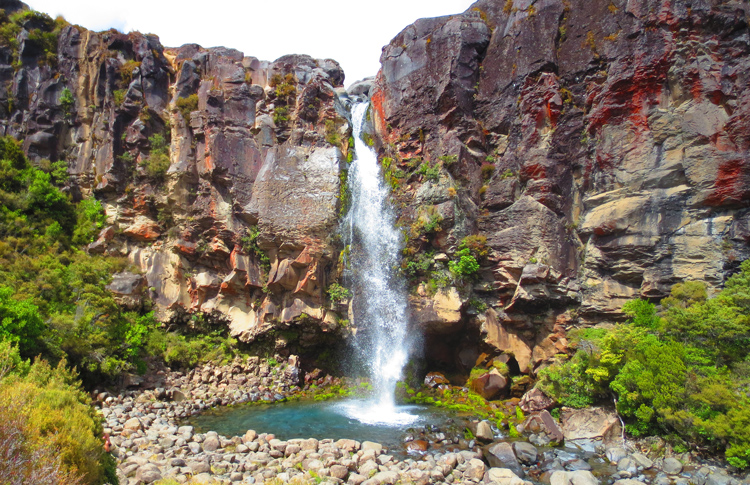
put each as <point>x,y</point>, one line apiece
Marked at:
<point>150,444</point>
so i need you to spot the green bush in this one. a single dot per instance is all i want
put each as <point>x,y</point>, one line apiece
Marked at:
<point>90,219</point>
<point>332,135</point>
<point>20,323</point>
<point>187,105</point>
<point>157,163</point>
<point>66,100</point>
<point>127,70</point>
<point>464,265</point>
<point>337,292</point>
<point>681,368</point>
<point>280,115</point>
<point>48,428</point>
<point>429,172</point>
<point>181,351</point>
<point>119,96</point>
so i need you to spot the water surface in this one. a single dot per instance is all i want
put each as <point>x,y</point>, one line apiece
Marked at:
<point>348,419</point>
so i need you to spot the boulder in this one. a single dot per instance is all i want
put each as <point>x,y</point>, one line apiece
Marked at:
<point>525,452</point>
<point>535,401</point>
<point>501,455</point>
<point>490,385</point>
<point>503,476</point>
<point>579,477</point>
<point>475,469</point>
<point>671,466</point>
<point>435,379</point>
<point>484,431</point>
<point>591,426</point>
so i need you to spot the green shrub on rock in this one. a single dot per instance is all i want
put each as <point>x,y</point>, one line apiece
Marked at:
<point>679,368</point>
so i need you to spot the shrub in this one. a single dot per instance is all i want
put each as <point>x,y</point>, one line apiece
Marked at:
<point>448,160</point>
<point>181,351</point>
<point>66,100</point>
<point>337,292</point>
<point>332,135</point>
<point>49,428</point>
<point>186,106</point>
<point>464,265</point>
<point>430,173</point>
<point>488,169</point>
<point>280,115</point>
<point>680,371</point>
<point>157,163</point>
<point>127,70</point>
<point>477,244</point>
<point>90,219</point>
<point>119,96</point>
<point>20,323</point>
<point>250,245</point>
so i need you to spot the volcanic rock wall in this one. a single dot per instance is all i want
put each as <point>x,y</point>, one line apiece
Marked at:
<point>601,147</point>
<point>219,173</point>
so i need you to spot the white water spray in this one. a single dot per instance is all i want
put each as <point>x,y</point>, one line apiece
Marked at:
<point>379,297</point>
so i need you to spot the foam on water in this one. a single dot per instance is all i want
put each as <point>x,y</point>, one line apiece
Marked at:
<point>373,413</point>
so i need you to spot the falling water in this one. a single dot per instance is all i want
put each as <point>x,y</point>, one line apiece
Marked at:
<point>379,299</point>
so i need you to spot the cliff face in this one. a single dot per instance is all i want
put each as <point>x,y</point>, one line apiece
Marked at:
<point>601,148</point>
<point>219,173</point>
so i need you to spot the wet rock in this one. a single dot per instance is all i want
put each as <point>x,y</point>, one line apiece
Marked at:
<point>642,460</point>
<point>580,477</point>
<point>577,464</point>
<point>627,481</point>
<point>616,453</point>
<point>484,431</point>
<point>490,385</point>
<point>501,455</point>
<point>525,452</point>
<point>628,466</point>
<point>417,446</point>
<point>434,379</point>
<point>671,466</point>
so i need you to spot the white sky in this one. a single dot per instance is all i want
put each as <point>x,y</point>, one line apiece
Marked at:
<point>351,32</point>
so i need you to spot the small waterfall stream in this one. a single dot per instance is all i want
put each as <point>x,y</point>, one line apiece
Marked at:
<point>379,296</point>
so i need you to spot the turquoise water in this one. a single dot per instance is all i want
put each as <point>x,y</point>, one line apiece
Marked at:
<point>350,419</point>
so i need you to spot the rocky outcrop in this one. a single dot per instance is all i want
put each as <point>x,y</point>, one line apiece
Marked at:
<point>601,148</point>
<point>220,174</point>
<point>597,153</point>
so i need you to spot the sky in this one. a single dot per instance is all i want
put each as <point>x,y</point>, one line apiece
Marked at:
<point>351,32</point>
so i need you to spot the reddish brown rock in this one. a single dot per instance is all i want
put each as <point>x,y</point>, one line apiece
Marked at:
<point>535,401</point>
<point>434,379</point>
<point>490,385</point>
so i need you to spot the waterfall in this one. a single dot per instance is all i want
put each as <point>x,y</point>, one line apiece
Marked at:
<point>379,296</point>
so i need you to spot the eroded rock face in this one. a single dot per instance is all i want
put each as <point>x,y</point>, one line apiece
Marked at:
<point>219,173</point>
<point>602,150</point>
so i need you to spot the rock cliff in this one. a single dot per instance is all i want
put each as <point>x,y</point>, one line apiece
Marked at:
<point>600,147</point>
<point>596,152</point>
<point>219,173</point>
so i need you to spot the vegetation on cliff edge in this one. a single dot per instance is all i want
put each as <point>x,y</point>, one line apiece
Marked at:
<point>680,369</point>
